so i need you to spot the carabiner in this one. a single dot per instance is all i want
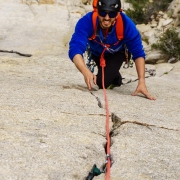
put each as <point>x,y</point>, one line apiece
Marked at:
<point>126,65</point>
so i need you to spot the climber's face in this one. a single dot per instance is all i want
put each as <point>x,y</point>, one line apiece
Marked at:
<point>106,19</point>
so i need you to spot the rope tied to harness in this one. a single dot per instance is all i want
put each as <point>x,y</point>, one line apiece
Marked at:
<point>102,60</point>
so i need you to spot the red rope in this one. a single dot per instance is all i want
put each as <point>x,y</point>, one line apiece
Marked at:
<point>108,165</point>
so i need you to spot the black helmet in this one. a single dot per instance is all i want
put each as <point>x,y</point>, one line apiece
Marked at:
<point>109,5</point>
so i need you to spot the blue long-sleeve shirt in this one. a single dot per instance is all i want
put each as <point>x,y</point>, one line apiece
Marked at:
<point>84,30</point>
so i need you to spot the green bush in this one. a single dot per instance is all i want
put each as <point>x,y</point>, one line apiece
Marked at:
<point>138,13</point>
<point>155,7</point>
<point>169,44</point>
<point>143,9</point>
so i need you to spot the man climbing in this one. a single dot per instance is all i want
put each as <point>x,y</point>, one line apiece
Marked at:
<point>100,31</point>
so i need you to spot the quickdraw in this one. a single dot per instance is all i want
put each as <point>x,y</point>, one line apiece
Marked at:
<point>152,72</point>
<point>90,62</point>
<point>129,62</point>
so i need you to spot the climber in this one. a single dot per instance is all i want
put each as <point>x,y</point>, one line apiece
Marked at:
<point>98,29</point>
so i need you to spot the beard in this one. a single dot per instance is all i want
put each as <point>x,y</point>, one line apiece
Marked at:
<point>105,24</point>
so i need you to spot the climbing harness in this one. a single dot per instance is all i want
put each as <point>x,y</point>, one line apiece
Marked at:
<point>91,63</point>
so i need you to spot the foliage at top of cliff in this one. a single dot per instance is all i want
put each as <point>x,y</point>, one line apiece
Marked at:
<point>169,44</point>
<point>143,9</point>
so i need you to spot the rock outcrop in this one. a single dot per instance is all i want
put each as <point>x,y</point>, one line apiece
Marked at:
<point>160,22</point>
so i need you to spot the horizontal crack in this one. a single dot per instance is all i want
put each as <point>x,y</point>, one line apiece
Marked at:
<point>168,128</point>
<point>117,123</point>
<point>138,123</point>
<point>84,114</point>
<point>148,125</point>
<point>99,134</point>
<point>21,54</point>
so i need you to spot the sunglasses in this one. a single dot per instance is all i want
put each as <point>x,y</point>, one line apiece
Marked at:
<point>110,14</point>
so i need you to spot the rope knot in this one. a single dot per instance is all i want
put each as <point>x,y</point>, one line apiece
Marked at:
<point>102,61</point>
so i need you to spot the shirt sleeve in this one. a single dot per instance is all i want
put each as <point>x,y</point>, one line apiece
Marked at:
<point>83,30</point>
<point>133,39</point>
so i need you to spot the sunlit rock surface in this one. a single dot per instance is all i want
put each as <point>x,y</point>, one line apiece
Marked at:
<point>52,127</point>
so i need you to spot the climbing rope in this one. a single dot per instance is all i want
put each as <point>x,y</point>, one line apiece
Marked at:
<point>106,169</point>
<point>108,159</point>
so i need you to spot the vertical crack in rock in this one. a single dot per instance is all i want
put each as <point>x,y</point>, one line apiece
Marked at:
<point>117,123</point>
<point>166,72</point>
<point>98,100</point>
<point>116,120</point>
<point>29,6</point>
<point>69,13</point>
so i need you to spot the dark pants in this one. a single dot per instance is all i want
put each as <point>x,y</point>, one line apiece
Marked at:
<point>111,70</point>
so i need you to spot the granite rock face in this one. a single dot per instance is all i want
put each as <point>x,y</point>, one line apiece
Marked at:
<point>52,127</point>
<point>48,126</point>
